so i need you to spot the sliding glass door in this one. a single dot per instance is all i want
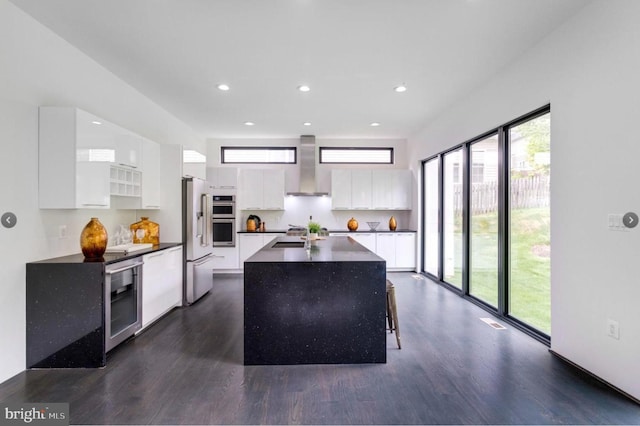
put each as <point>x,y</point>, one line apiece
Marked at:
<point>529,219</point>
<point>452,217</point>
<point>487,220</point>
<point>483,220</point>
<point>431,237</point>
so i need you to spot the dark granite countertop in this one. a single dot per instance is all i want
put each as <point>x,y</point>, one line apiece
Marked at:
<point>368,231</point>
<point>268,231</point>
<point>109,257</point>
<point>363,231</point>
<point>330,249</point>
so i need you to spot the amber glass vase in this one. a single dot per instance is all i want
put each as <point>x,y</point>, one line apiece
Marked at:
<point>393,224</point>
<point>145,231</point>
<point>93,239</point>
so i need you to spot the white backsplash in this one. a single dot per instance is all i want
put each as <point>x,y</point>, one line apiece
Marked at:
<point>298,209</point>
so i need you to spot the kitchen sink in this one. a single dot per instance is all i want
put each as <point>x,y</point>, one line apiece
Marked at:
<point>288,244</point>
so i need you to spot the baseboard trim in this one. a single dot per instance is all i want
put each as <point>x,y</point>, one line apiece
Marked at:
<point>601,380</point>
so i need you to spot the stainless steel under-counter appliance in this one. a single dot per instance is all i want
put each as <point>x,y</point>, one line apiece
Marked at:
<point>123,301</point>
<point>197,236</point>
<point>224,220</point>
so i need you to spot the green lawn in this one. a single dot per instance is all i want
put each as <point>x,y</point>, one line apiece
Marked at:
<point>529,269</point>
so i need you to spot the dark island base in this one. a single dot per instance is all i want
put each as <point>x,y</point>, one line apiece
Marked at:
<point>314,313</point>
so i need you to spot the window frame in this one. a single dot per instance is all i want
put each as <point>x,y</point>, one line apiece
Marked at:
<point>258,148</point>
<point>356,148</point>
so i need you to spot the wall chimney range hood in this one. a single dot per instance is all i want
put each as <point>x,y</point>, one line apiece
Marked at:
<point>307,158</point>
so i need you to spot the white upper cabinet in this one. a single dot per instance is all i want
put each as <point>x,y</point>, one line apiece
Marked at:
<point>377,189</point>
<point>391,189</point>
<point>350,189</point>
<point>223,177</point>
<point>261,189</point>
<point>76,151</point>
<point>341,189</point>
<point>128,147</point>
<point>151,193</point>
<point>361,189</point>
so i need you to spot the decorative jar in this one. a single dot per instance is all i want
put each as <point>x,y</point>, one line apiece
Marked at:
<point>145,231</point>
<point>352,224</point>
<point>393,224</point>
<point>93,239</point>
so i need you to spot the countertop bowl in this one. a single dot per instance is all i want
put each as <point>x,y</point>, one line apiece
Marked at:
<point>373,225</point>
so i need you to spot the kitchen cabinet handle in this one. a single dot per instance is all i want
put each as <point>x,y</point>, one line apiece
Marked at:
<point>171,250</point>
<point>155,255</point>
<point>204,260</point>
<point>149,206</point>
<point>127,165</point>
<point>93,205</point>
<point>115,271</point>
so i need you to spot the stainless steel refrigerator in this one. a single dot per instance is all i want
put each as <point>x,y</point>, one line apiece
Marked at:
<point>197,237</point>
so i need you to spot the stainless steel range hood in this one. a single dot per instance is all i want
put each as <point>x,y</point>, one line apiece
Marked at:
<point>307,158</point>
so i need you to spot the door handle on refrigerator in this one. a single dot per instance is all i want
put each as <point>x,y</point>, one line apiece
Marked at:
<point>205,216</point>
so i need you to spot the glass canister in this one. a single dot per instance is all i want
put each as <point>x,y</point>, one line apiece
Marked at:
<point>145,231</point>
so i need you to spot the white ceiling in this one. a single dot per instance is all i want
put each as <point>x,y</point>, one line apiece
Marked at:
<point>352,53</point>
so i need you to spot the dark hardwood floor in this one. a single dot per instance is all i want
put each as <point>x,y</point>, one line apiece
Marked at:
<point>452,369</point>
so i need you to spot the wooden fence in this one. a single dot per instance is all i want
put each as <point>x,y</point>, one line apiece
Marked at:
<point>527,192</point>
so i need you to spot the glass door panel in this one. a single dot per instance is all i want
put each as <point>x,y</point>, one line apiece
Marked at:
<point>528,228</point>
<point>452,218</point>
<point>483,206</point>
<point>431,253</point>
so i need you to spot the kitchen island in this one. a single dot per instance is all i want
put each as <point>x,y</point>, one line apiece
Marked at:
<point>322,305</point>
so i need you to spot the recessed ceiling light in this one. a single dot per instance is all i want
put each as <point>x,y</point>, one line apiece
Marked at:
<point>375,124</point>
<point>306,123</point>
<point>401,88</point>
<point>304,88</point>
<point>223,87</point>
<point>249,123</point>
<point>97,122</point>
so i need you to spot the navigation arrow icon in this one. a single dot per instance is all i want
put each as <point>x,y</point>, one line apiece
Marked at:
<point>9,220</point>
<point>630,220</point>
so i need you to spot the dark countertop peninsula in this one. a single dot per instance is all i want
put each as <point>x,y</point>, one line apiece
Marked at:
<point>108,258</point>
<point>65,309</point>
<point>324,305</point>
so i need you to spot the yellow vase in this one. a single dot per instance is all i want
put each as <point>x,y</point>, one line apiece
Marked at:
<point>145,231</point>
<point>393,224</point>
<point>93,239</point>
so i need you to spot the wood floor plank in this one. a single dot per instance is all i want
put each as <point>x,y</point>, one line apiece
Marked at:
<point>452,369</point>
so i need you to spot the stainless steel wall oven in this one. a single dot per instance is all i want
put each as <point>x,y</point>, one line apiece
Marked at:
<point>224,221</point>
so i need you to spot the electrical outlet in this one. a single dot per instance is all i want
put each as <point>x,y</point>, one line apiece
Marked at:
<point>62,231</point>
<point>613,329</point>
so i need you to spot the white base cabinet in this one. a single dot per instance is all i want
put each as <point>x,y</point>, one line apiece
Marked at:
<point>161,283</point>
<point>366,239</point>
<point>225,258</point>
<point>398,249</point>
<point>250,243</point>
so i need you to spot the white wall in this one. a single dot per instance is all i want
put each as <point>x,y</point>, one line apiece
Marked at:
<point>298,209</point>
<point>39,68</point>
<point>588,70</point>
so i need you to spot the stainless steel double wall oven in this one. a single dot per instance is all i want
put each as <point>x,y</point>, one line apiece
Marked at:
<point>224,221</point>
